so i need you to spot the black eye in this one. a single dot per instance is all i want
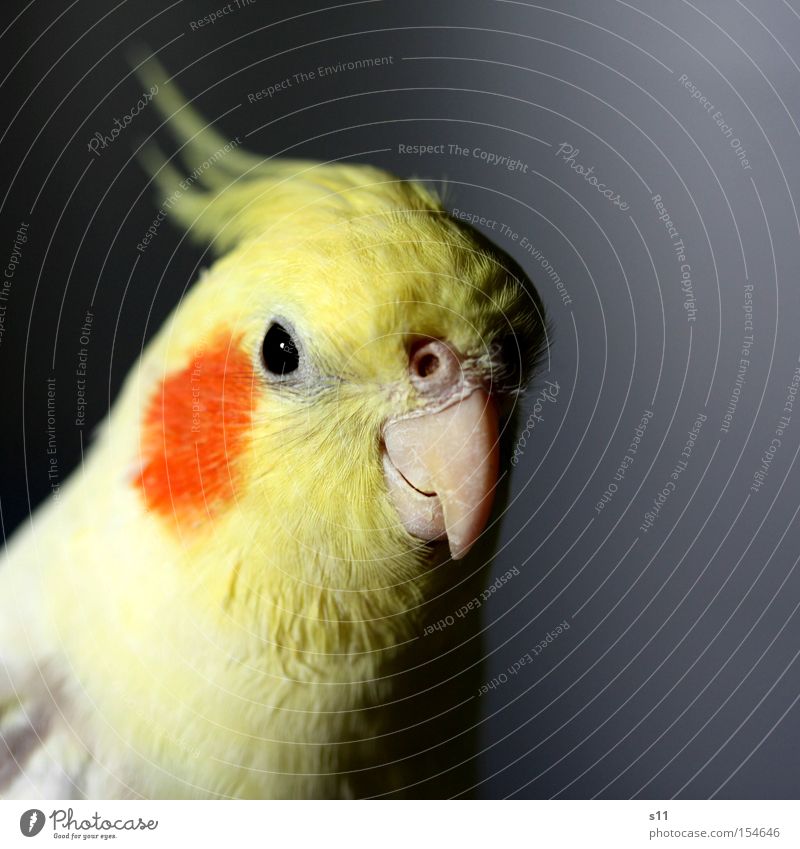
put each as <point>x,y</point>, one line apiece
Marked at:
<point>279,351</point>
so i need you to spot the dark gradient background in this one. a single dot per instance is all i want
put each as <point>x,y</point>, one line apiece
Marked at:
<point>678,675</point>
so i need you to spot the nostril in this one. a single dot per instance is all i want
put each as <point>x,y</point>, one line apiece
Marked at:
<point>434,367</point>
<point>426,365</point>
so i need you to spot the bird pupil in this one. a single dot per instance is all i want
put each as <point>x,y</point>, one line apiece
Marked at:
<point>279,351</point>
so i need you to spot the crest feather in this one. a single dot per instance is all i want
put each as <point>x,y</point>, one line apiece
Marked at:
<point>223,194</point>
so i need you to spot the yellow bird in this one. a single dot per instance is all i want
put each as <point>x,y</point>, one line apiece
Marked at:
<point>228,598</point>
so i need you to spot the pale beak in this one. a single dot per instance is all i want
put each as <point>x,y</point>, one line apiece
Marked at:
<point>441,470</point>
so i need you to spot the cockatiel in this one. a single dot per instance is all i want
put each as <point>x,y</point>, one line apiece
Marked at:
<point>228,598</point>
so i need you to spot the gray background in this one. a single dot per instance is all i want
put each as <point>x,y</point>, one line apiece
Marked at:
<point>678,675</point>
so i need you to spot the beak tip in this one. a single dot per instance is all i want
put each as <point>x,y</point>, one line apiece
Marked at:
<point>461,540</point>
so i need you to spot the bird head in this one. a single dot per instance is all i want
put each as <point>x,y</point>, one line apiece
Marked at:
<point>335,384</point>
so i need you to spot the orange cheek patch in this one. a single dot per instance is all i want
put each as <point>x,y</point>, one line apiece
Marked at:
<point>195,428</point>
